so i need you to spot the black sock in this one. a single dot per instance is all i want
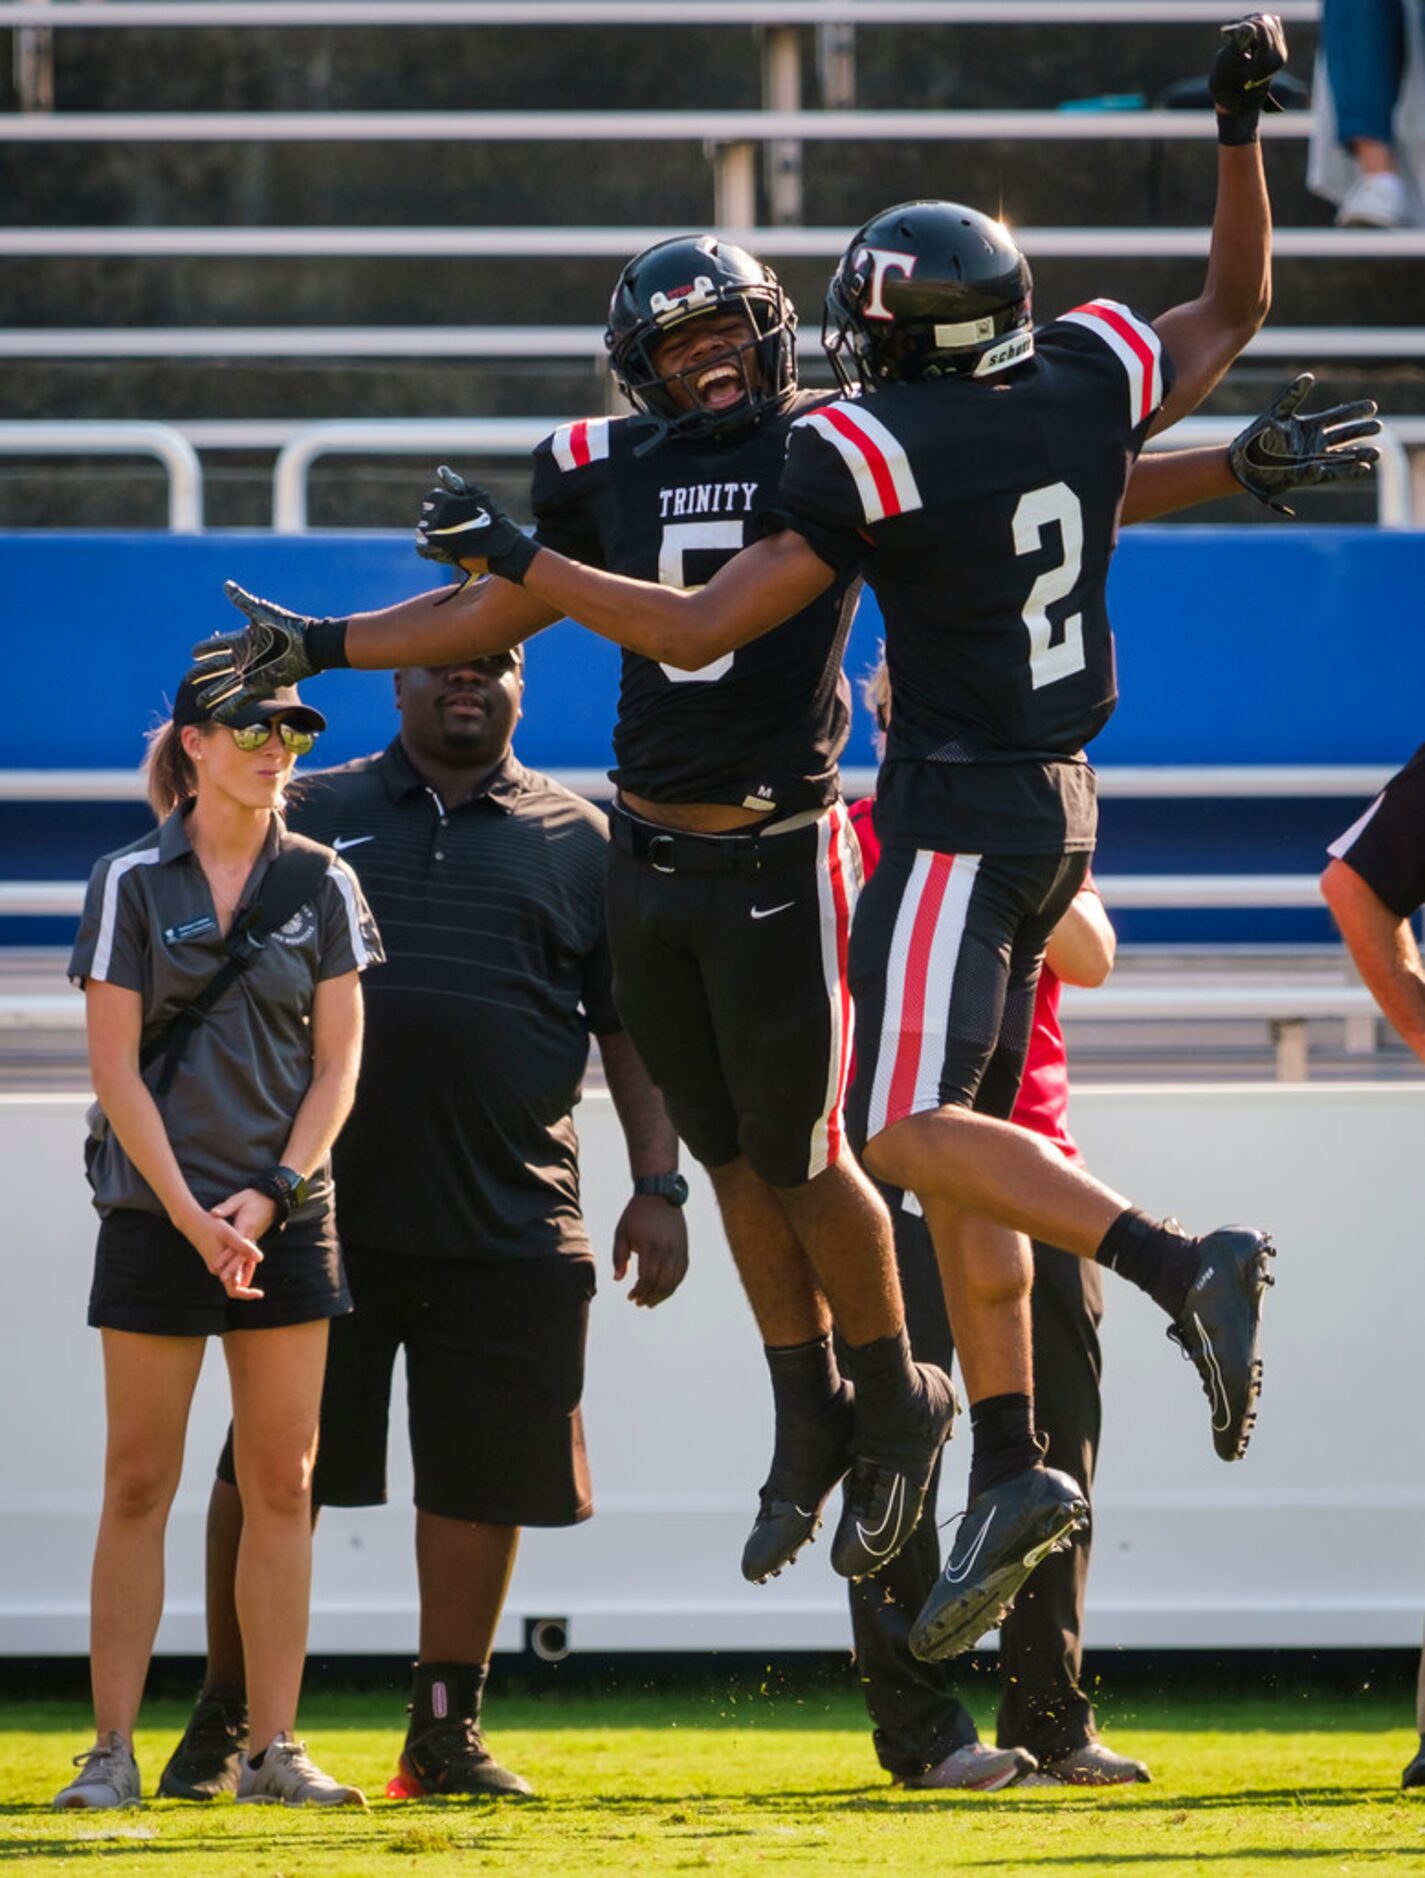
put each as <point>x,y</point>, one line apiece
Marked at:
<point>884,1377</point>
<point>256,1760</point>
<point>804,1376</point>
<point>442,1692</point>
<point>1152,1256</point>
<point>1002,1429</point>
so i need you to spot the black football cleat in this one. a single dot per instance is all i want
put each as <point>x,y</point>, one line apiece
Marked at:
<point>1414,1775</point>
<point>812,1455</point>
<point>205,1762</point>
<point>1007,1530</point>
<point>451,1758</point>
<point>1219,1326</point>
<point>886,1488</point>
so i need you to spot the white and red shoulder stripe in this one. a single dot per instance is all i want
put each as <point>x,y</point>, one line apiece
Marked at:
<point>1138,349</point>
<point>874,455</point>
<point>575,446</point>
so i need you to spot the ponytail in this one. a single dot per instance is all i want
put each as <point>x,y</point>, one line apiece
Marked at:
<point>168,770</point>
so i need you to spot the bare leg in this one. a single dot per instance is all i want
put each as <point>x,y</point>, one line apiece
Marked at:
<point>148,1388</point>
<point>987,1272</point>
<point>996,1169</point>
<point>779,1281</point>
<point>842,1222</point>
<point>277,1390</point>
<point>224,1535</point>
<point>464,1572</point>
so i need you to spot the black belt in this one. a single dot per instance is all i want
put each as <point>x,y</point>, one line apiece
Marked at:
<point>670,851</point>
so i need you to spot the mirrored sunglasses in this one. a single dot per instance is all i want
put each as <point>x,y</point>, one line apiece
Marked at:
<point>253,736</point>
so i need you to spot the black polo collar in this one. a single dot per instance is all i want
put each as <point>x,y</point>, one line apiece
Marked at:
<point>173,841</point>
<point>504,786</point>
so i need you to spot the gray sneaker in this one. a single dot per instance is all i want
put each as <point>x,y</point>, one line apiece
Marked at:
<point>108,1776</point>
<point>287,1777</point>
<point>1093,1765</point>
<point>976,1766</point>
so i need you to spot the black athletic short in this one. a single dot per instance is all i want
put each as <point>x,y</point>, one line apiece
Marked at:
<point>945,957</point>
<point>148,1278</point>
<point>494,1372</point>
<point>730,976</point>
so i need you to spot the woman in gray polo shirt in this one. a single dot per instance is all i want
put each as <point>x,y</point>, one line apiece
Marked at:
<point>213,1189</point>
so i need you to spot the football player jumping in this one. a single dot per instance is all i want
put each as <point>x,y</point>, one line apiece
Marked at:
<point>728,834</point>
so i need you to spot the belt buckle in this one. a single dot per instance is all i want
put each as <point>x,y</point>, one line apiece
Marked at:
<point>666,865</point>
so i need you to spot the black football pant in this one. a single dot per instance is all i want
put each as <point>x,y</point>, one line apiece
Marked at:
<point>917,1717</point>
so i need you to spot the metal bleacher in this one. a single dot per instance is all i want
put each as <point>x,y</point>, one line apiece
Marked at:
<point>769,171</point>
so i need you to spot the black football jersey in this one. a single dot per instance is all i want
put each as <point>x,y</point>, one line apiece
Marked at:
<point>984,513</point>
<point>762,727</point>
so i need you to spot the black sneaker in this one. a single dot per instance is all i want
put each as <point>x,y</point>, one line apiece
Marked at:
<point>811,1457</point>
<point>1007,1530</point>
<point>1414,1775</point>
<point>885,1490</point>
<point>1218,1328</point>
<point>205,1762</point>
<point>452,1758</point>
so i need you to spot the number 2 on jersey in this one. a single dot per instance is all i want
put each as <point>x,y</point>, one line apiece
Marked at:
<point>679,538</point>
<point>1056,502</point>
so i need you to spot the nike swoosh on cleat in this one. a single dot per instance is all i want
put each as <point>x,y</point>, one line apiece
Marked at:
<point>1221,1411</point>
<point>893,1512</point>
<point>766,912</point>
<point>342,842</point>
<point>957,1576</point>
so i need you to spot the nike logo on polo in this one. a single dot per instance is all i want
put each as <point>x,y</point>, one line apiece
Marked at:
<point>957,1574</point>
<point>341,842</point>
<point>891,1521</point>
<point>766,912</point>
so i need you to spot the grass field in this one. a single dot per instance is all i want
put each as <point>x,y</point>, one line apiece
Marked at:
<point>729,1779</point>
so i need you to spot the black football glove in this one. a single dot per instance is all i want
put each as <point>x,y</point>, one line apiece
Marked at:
<point>1285,450</point>
<point>1252,52</point>
<point>461,522</point>
<point>275,648</point>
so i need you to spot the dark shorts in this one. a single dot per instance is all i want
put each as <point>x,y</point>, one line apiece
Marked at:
<point>732,987</point>
<point>494,1372</point>
<point>945,957</point>
<point>148,1278</point>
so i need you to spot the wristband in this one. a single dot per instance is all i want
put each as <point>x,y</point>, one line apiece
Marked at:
<point>1235,128</point>
<point>326,645</point>
<point>512,563</point>
<point>286,1189</point>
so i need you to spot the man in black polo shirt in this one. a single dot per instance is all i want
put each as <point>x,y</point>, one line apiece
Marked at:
<point>1374,884</point>
<point>458,1195</point>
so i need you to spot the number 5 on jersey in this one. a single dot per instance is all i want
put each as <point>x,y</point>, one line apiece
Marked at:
<point>680,539</point>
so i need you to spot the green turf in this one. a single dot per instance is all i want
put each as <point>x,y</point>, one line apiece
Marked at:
<point>735,1781</point>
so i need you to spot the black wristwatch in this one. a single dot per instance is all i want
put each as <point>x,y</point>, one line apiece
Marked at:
<point>286,1188</point>
<point>670,1187</point>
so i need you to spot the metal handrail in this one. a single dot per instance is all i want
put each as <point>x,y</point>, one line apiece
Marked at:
<point>618,243</point>
<point>541,342</point>
<point>40,437</point>
<point>264,14</point>
<point>1126,781</point>
<point>700,127</point>
<point>517,436</point>
<point>495,436</point>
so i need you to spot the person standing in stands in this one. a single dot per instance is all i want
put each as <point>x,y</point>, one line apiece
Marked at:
<point>209,1160</point>
<point>458,1198</point>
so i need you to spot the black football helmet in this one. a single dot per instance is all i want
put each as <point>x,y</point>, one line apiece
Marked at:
<point>927,290</point>
<point>678,280</point>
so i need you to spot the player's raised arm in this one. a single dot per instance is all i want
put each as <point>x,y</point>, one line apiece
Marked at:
<point>1284,449</point>
<point>278,647</point>
<point>1205,335</point>
<point>685,627</point>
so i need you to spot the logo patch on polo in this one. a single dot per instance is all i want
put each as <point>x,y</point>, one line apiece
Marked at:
<point>299,929</point>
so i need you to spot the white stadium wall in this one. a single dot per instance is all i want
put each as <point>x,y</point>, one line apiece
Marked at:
<point>1316,1539</point>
